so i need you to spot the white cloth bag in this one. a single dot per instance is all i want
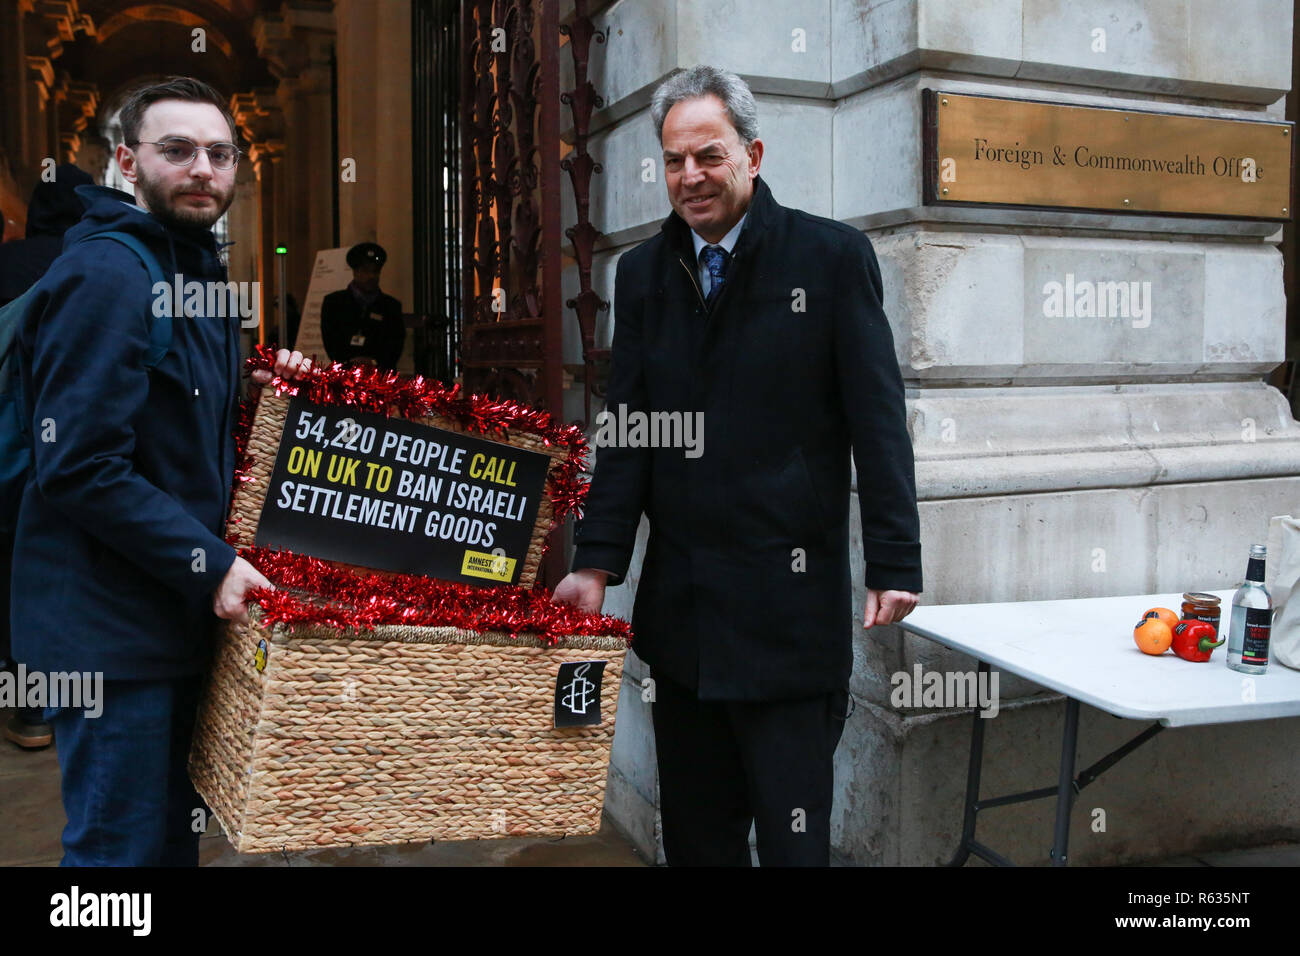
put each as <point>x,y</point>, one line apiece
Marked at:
<point>1282,579</point>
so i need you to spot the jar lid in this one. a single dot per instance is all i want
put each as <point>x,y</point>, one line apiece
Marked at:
<point>1200,597</point>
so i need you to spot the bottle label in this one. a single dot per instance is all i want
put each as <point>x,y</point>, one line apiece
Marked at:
<point>1254,648</point>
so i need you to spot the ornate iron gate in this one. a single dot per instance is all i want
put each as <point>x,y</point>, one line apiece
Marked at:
<point>511,332</point>
<point>436,185</point>
<point>510,165</point>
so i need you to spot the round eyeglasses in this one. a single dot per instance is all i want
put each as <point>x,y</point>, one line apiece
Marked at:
<point>181,152</point>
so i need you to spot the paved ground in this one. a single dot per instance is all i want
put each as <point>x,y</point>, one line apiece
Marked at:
<point>31,819</point>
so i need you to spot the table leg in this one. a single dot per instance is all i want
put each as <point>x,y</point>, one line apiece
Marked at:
<point>1065,784</point>
<point>972,784</point>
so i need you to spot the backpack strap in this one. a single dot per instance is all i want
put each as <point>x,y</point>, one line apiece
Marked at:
<point>11,315</point>
<point>15,439</point>
<point>160,330</point>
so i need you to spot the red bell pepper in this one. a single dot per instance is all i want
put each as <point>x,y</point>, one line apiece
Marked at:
<point>1194,640</point>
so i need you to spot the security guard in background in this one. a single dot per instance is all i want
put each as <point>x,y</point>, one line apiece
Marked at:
<point>360,322</point>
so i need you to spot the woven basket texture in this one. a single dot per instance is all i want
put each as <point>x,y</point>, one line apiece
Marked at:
<point>397,735</point>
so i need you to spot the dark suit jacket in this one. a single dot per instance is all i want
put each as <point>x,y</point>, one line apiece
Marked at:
<point>745,590</point>
<point>341,318</point>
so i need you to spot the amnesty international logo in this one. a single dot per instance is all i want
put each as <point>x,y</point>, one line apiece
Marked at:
<point>480,564</point>
<point>577,694</point>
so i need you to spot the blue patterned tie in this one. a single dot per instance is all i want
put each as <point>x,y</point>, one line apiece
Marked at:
<point>715,260</point>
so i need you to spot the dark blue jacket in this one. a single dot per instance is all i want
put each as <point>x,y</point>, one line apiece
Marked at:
<point>120,533</point>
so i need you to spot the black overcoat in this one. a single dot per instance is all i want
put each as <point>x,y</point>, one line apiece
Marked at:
<point>745,589</point>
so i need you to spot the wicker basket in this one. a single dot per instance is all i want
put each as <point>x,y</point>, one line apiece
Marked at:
<point>316,738</point>
<point>309,736</point>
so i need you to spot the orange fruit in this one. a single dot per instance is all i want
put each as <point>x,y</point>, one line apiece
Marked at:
<point>1169,618</point>
<point>1153,636</point>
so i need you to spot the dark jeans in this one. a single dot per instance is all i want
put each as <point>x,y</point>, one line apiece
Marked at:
<point>126,791</point>
<point>6,572</point>
<point>724,765</point>
<point>31,715</point>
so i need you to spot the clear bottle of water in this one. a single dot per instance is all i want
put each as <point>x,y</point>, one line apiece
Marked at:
<point>1252,618</point>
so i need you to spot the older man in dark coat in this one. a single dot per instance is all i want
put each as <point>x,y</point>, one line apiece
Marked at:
<point>765,324</point>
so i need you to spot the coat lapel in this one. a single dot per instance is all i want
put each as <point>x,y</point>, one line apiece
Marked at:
<point>679,244</point>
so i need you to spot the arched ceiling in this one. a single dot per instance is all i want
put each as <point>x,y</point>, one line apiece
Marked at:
<point>126,42</point>
<point>103,10</point>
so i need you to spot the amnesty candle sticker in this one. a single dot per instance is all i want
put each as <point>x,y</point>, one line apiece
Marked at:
<point>577,694</point>
<point>397,495</point>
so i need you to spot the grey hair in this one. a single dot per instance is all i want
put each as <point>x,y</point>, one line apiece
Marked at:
<point>707,81</point>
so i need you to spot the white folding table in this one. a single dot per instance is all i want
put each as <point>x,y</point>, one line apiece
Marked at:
<point>1084,649</point>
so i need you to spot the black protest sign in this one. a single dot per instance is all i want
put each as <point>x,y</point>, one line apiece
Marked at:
<point>396,495</point>
<point>577,694</point>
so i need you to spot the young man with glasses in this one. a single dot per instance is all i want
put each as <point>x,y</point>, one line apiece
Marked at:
<point>120,563</point>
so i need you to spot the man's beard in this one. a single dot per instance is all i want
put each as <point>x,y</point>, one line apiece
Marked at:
<point>172,211</point>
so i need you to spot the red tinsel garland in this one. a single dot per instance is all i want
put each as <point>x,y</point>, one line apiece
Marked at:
<point>362,601</point>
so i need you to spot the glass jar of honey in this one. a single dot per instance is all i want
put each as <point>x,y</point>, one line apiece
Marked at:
<point>1199,606</point>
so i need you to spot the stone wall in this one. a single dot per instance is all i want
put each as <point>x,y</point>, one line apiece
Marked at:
<point>1055,457</point>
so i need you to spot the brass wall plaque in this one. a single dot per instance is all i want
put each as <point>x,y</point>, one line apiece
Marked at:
<point>991,151</point>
